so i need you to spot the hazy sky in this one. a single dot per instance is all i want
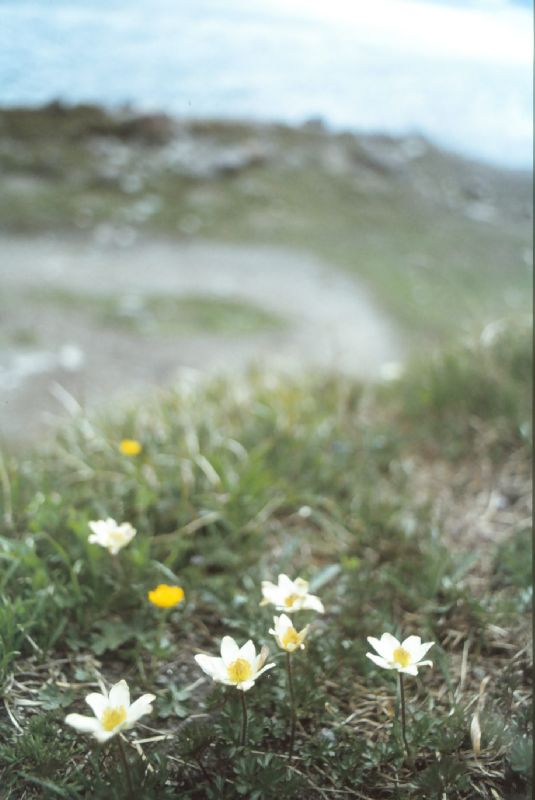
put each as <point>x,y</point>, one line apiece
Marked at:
<point>458,73</point>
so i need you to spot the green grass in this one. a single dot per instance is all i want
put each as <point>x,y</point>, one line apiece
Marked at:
<point>444,398</point>
<point>153,314</point>
<point>438,272</point>
<point>239,480</point>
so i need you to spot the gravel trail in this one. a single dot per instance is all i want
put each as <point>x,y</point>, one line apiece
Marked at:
<point>53,357</point>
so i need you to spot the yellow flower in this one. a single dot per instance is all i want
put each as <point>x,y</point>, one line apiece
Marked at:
<point>165,596</point>
<point>130,447</point>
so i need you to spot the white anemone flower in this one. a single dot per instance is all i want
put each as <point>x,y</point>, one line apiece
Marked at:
<point>403,656</point>
<point>290,596</point>
<point>238,666</point>
<point>113,712</point>
<point>286,636</point>
<point>107,533</point>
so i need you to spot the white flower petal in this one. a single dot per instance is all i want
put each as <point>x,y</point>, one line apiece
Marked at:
<point>387,645</point>
<point>248,652</point>
<point>390,641</point>
<point>271,593</point>
<point>283,623</point>
<point>212,666</point>
<point>97,703</point>
<point>139,708</point>
<point>300,585</point>
<point>245,686</point>
<point>424,663</point>
<point>286,585</point>
<point>412,645</point>
<point>379,647</point>
<point>260,671</point>
<point>82,723</point>
<point>127,531</point>
<point>96,527</point>
<point>229,650</point>
<point>424,647</point>
<point>313,603</point>
<point>102,736</point>
<point>119,695</point>
<point>381,662</point>
<point>412,669</point>
<point>261,658</point>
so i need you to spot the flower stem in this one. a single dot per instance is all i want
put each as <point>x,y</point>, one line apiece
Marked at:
<point>293,717</point>
<point>202,768</point>
<point>126,768</point>
<point>243,736</point>
<point>402,709</point>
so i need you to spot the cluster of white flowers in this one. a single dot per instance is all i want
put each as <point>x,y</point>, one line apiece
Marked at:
<point>235,666</point>
<point>241,666</point>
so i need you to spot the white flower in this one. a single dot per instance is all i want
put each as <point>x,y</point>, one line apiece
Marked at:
<point>403,656</point>
<point>113,712</point>
<point>107,533</point>
<point>239,667</point>
<point>290,596</point>
<point>286,636</point>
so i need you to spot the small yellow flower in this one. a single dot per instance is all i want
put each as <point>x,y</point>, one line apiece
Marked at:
<point>130,447</point>
<point>165,596</point>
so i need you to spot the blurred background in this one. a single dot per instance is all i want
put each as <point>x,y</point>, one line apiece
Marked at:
<point>200,186</point>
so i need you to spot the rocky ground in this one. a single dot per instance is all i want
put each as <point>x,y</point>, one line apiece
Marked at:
<point>133,249</point>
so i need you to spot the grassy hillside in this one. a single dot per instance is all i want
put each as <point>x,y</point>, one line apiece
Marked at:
<point>443,243</point>
<point>406,505</point>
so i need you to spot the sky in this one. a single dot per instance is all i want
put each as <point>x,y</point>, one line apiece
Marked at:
<point>458,73</point>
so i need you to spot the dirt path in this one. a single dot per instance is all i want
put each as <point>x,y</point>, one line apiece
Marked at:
<point>331,322</point>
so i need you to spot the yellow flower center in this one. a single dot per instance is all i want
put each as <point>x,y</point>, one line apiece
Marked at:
<point>290,599</point>
<point>112,717</point>
<point>291,639</point>
<point>402,657</point>
<point>240,670</point>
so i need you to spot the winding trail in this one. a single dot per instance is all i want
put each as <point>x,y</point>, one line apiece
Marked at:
<point>71,358</point>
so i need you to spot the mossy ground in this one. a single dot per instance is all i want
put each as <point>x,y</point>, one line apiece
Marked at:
<point>406,505</point>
